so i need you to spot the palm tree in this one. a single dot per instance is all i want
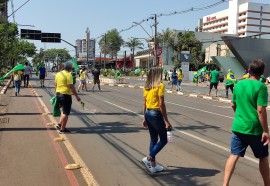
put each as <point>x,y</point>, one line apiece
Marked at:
<point>133,44</point>
<point>167,37</point>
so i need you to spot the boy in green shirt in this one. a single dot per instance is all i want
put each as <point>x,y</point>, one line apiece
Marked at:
<point>250,127</point>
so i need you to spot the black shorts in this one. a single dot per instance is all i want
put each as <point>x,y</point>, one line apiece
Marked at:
<point>213,84</point>
<point>41,76</point>
<point>65,101</point>
<point>96,81</point>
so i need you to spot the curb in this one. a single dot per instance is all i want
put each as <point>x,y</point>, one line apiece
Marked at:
<point>3,91</point>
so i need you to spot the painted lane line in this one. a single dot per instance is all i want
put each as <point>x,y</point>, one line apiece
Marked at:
<point>188,134</point>
<point>192,108</point>
<point>87,175</point>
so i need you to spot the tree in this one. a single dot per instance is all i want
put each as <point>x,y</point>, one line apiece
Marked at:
<point>133,44</point>
<point>110,43</point>
<point>12,48</point>
<point>167,37</point>
<point>187,41</point>
<point>56,56</point>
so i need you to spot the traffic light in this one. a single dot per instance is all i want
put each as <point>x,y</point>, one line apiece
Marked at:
<point>51,37</point>
<point>30,34</point>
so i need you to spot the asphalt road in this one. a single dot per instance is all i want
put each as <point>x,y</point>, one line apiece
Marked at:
<point>110,140</point>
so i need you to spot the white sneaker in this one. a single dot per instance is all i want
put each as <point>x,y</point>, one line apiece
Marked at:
<point>145,160</point>
<point>158,168</point>
<point>152,170</point>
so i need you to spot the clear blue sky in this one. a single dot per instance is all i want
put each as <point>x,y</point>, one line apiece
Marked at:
<point>72,17</point>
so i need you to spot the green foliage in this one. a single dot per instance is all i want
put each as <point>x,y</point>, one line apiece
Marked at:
<point>111,43</point>
<point>133,44</point>
<point>13,48</point>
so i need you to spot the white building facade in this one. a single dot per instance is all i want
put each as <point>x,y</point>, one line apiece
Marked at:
<point>242,18</point>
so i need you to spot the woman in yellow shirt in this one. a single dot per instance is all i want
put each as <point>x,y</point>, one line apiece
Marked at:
<point>155,117</point>
<point>17,77</point>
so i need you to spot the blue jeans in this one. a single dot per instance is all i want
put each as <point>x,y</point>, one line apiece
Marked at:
<point>179,85</point>
<point>17,84</point>
<point>157,128</point>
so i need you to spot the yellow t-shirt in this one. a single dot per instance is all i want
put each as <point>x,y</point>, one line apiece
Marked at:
<point>82,75</point>
<point>62,80</point>
<point>17,76</point>
<point>180,75</point>
<point>152,96</point>
<point>246,76</point>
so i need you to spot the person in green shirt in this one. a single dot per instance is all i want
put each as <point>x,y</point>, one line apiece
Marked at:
<point>214,76</point>
<point>230,81</point>
<point>250,127</point>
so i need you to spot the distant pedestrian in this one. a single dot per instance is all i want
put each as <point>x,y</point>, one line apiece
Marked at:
<point>96,80</point>
<point>27,74</point>
<point>250,127</point>
<point>214,78</point>
<point>180,76</point>
<point>64,89</point>
<point>174,79</point>
<point>73,73</point>
<point>83,83</point>
<point>42,74</point>
<point>155,117</point>
<point>17,77</point>
<point>142,73</point>
<point>230,81</point>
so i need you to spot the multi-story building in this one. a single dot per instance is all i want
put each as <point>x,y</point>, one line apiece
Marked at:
<point>86,52</point>
<point>242,18</point>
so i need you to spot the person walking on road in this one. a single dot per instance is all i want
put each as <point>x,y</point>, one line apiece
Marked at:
<point>83,75</point>
<point>230,81</point>
<point>64,89</point>
<point>174,79</point>
<point>96,74</point>
<point>214,75</point>
<point>180,76</point>
<point>155,117</point>
<point>42,74</point>
<point>27,74</point>
<point>250,127</point>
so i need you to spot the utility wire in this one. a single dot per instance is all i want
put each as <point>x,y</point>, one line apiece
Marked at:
<point>192,9</point>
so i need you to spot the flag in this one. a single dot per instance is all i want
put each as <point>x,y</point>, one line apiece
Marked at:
<point>16,68</point>
<point>75,64</point>
<point>203,69</point>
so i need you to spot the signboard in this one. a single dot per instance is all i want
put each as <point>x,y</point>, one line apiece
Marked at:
<point>185,58</point>
<point>159,51</point>
<point>211,18</point>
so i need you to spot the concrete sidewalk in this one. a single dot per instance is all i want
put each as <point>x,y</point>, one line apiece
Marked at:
<point>29,155</point>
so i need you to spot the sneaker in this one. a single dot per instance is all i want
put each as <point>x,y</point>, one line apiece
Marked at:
<point>64,131</point>
<point>146,161</point>
<point>58,126</point>
<point>158,168</point>
<point>152,170</point>
<point>16,93</point>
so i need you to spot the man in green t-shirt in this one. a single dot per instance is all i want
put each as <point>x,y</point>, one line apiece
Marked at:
<point>250,128</point>
<point>214,78</point>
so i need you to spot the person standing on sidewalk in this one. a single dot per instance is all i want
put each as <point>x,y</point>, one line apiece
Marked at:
<point>250,127</point>
<point>82,76</point>
<point>27,74</point>
<point>42,74</point>
<point>180,76</point>
<point>230,81</point>
<point>155,116</point>
<point>64,88</point>
<point>214,75</point>
<point>96,74</point>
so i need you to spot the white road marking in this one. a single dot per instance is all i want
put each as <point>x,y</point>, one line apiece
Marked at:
<point>188,134</point>
<point>192,108</point>
<point>87,175</point>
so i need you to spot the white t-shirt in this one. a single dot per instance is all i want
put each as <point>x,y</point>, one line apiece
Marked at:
<point>27,70</point>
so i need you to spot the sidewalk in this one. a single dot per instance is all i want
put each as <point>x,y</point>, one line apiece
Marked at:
<point>29,155</point>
